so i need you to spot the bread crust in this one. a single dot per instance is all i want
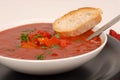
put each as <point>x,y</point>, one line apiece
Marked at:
<point>81,27</point>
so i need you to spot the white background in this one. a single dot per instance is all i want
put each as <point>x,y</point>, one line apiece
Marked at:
<point>17,10</point>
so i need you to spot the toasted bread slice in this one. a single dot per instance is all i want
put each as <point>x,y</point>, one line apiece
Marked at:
<point>78,21</point>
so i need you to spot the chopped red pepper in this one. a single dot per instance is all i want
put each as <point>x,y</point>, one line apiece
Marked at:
<point>44,34</point>
<point>54,40</point>
<point>63,43</point>
<point>54,54</point>
<point>42,38</point>
<point>47,42</point>
<point>28,45</point>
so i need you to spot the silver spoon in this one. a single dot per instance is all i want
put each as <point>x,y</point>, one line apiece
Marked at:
<point>103,28</point>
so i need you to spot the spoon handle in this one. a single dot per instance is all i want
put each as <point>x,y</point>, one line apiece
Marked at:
<point>106,26</point>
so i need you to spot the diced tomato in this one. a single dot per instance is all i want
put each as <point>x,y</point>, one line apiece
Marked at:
<point>47,42</point>
<point>54,40</point>
<point>31,36</point>
<point>40,39</point>
<point>32,39</point>
<point>63,43</point>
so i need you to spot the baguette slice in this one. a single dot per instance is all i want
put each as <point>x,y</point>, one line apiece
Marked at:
<point>78,21</point>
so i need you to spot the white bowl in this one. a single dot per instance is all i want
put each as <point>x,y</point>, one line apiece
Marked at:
<point>45,67</point>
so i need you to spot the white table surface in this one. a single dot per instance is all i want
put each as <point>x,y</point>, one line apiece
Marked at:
<point>17,10</point>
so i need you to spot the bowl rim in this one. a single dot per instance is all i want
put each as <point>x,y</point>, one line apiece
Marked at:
<point>36,20</point>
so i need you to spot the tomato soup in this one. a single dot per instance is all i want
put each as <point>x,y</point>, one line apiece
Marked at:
<point>38,41</point>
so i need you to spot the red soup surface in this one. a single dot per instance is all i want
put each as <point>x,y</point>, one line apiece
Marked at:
<point>38,41</point>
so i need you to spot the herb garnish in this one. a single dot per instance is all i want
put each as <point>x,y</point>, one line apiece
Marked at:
<point>44,47</point>
<point>41,57</point>
<point>37,36</point>
<point>57,35</point>
<point>24,37</point>
<point>55,46</point>
<point>18,46</point>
